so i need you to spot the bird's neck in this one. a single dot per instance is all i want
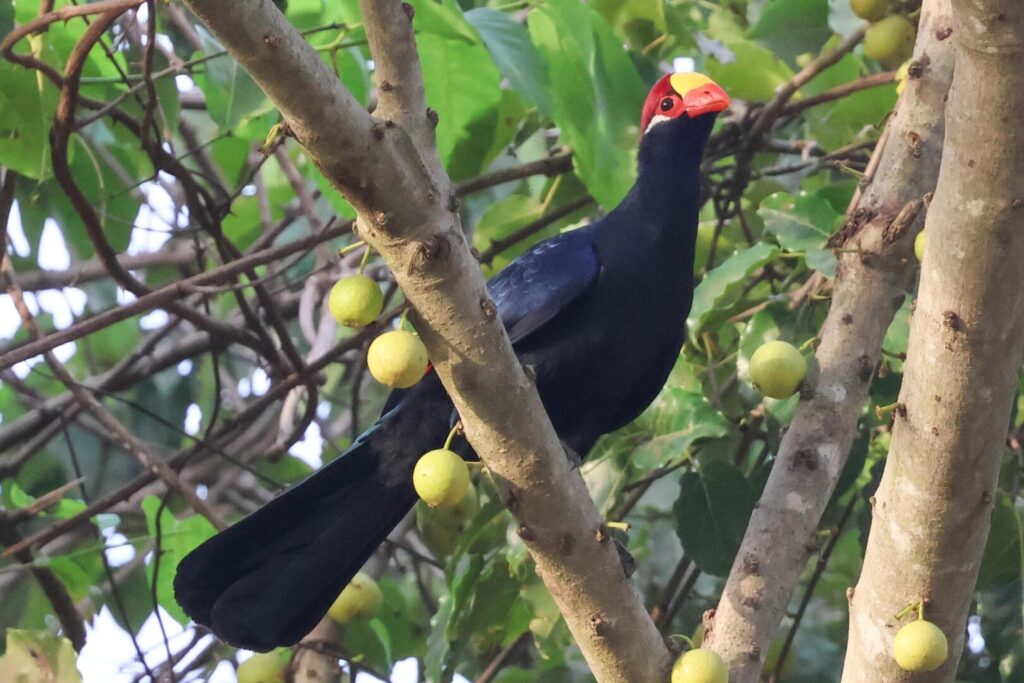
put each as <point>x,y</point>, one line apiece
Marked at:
<point>665,200</point>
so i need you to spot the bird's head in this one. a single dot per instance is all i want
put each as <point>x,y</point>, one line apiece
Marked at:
<point>682,97</point>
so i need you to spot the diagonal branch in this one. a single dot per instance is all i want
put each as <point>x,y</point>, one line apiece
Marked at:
<point>408,211</point>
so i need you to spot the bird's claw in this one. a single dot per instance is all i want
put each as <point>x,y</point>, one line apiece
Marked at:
<point>574,458</point>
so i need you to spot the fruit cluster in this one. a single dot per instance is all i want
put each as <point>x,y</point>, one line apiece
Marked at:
<point>399,360</point>
<point>890,37</point>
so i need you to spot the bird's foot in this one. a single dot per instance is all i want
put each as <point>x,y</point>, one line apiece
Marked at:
<point>574,458</point>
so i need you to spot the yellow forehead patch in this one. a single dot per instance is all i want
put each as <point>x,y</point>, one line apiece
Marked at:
<point>683,83</point>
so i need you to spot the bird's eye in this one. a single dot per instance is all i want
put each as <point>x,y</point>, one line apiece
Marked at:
<point>667,104</point>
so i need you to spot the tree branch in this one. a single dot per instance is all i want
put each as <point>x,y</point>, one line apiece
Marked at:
<point>869,289</point>
<point>407,211</point>
<point>933,507</point>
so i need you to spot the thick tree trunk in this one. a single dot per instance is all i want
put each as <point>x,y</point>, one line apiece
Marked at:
<point>869,288</point>
<point>933,507</point>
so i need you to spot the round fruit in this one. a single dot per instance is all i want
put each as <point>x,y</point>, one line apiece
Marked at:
<point>397,359</point>
<point>700,666</point>
<point>920,646</point>
<point>919,243</point>
<point>355,301</point>
<point>441,478</point>
<point>890,41</point>
<point>872,10</point>
<point>777,368</point>
<point>265,667</point>
<point>359,601</point>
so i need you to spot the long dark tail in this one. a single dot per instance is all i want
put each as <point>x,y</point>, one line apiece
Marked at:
<point>268,580</point>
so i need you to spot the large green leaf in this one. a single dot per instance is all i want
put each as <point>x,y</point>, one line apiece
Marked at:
<point>230,92</point>
<point>176,538</point>
<point>1002,561</point>
<point>793,27</point>
<point>751,72</point>
<point>677,419</point>
<point>802,223</point>
<point>517,58</point>
<point>835,124</point>
<point>27,105</point>
<point>6,17</point>
<point>462,83</point>
<point>597,94</point>
<point>723,284</point>
<point>711,514</point>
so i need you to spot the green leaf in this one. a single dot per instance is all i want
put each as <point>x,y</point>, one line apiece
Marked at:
<point>462,577</point>
<point>722,285</point>
<point>27,106</point>
<point>1001,562</point>
<point>793,27</point>
<point>230,92</point>
<point>463,86</point>
<point>597,94</point>
<point>898,336</point>
<point>14,497</point>
<point>712,512</point>
<point>6,17</point>
<point>516,56</point>
<point>677,419</point>
<point>802,223</point>
<point>38,657</point>
<point>834,125</point>
<point>177,538</point>
<point>753,73</point>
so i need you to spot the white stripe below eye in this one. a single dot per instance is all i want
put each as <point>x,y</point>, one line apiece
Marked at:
<point>656,120</point>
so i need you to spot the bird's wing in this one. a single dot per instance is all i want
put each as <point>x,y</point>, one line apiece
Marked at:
<point>535,287</point>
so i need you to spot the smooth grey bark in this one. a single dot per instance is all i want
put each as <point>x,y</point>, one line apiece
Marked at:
<point>933,507</point>
<point>869,289</point>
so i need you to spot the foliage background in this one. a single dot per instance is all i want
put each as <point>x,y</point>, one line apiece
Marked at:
<point>513,83</point>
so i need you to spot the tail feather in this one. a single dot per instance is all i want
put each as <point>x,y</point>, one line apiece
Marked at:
<point>267,580</point>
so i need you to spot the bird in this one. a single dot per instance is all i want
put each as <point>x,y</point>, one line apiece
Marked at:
<point>598,313</point>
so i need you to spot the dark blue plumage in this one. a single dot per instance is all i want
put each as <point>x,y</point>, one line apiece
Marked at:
<point>598,313</point>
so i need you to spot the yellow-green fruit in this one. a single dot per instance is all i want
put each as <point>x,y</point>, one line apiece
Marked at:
<point>265,667</point>
<point>890,41</point>
<point>872,10</point>
<point>360,601</point>
<point>777,368</point>
<point>355,301</point>
<point>920,646</point>
<point>397,359</point>
<point>700,666</point>
<point>441,478</point>
<point>919,242</point>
